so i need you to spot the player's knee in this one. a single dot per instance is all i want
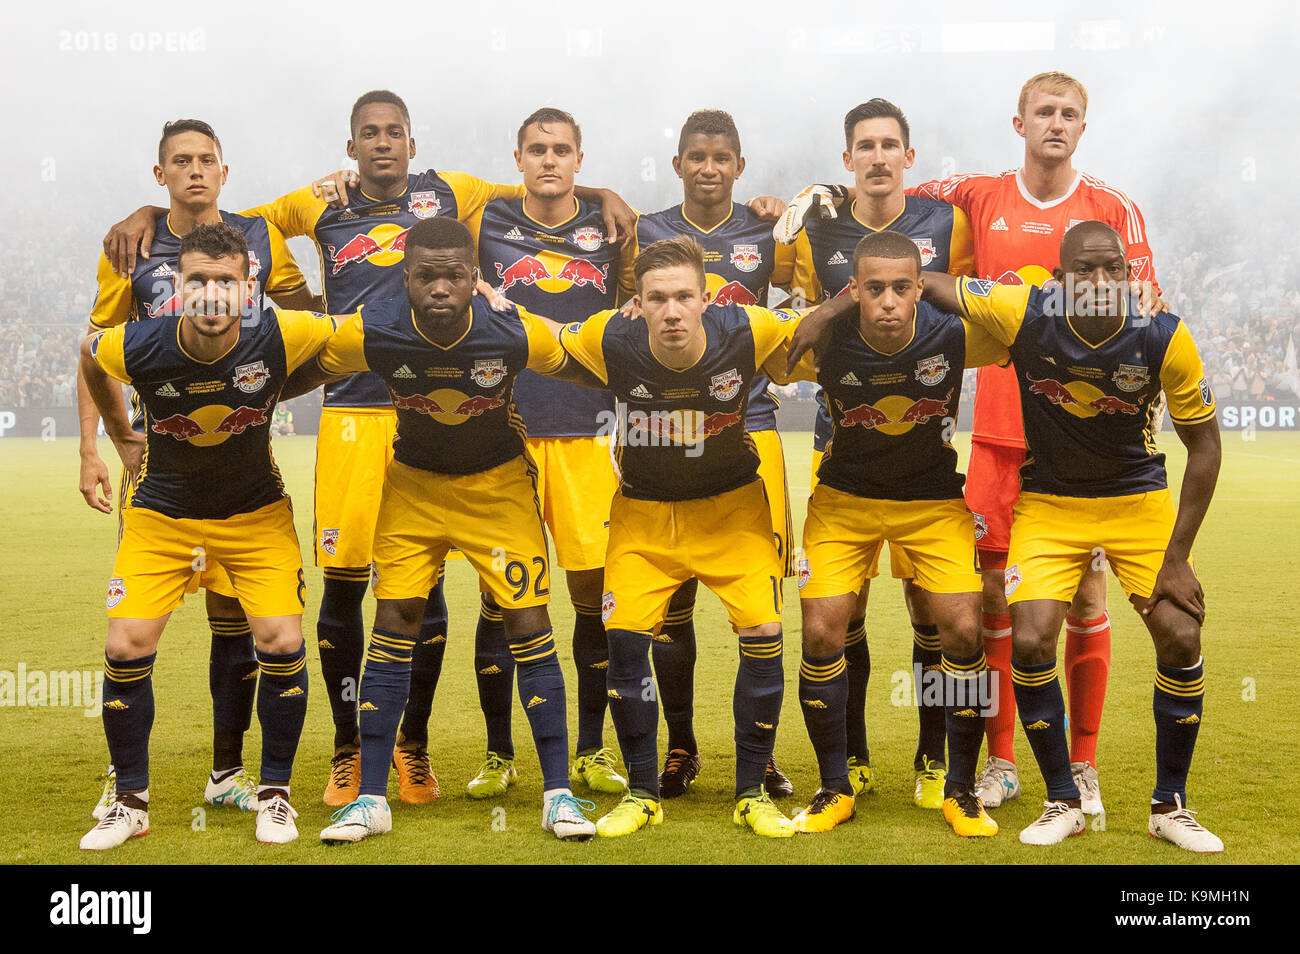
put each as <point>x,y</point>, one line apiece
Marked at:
<point>994,591</point>
<point>280,639</point>
<point>401,616</point>
<point>1032,646</point>
<point>821,638</point>
<point>1178,643</point>
<point>961,637</point>
<point>525,620</point>
<point>586,586</point>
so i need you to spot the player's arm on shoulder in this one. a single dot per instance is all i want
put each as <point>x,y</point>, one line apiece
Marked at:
<point>584,342</point>
<point>134,234</point>
<point>342,353</point>
<point>473,193</point>
<point>305,333</point>
<point>999,309</point>
<point>626,268</point>
<point>961,245</point>
<point>546,355</point>
<point>982,348</point>
<point>813,332</point>
<point>114,298</point>
<point>620,218</point>
<point>772,332</point>
<point>285,283</point>
<point>293,214</point>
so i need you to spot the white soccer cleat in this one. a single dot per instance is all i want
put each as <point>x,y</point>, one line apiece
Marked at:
<point>238,790</point>
<point>1182,829</point>
<point>998,782</point>
<point>564,815</point>
<point>275,821</point>
<point>119,825</point>
<point>107,797</point>
<point>368,815</point>
<point>1085,776</point>
<point>1058,822</point>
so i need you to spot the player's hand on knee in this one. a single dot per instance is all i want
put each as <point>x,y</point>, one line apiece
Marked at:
<point>1177,583</point>
<point>333,188</point>
<point>94,479</point>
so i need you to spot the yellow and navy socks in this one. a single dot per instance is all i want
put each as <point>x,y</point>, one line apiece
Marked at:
<point>634,706</point>
<point>1042,713</point>
<point>128,718</point>
<point>756,704</point>
<point>384,687</point>
<point>1178,705</point>
<point>674,653</point>
<point>281,710</point>
<point>591,657</point>
<point>494,671</point>
<point>232,681</point>
<point>931,714</point>
<point>965,688</point>
<point>541,691</point>
<point>426,667</point>
<point>857,660</point>
<point>340,640</point>
<point>823,689</point>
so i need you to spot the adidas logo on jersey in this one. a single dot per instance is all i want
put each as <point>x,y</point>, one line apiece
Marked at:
<point>404,372</point>
<point>167,391</point>
<point>852,379</point>
<point>534,701</point>
<point>839,259</point>
<point>515,235</point>
<point>999,226</point>
<point>641,391</point>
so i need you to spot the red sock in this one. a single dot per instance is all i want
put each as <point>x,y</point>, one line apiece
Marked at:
<point>1087,667</point>
<point>1000,728</point>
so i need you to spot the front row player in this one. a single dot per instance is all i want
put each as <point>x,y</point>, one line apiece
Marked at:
<point>1090,372</point>
<point>460,477</point>
<point>209,489</point>
<point>892,374</point>
<point>690,505</point>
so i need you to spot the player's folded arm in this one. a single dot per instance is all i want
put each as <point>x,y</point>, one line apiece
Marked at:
<point>340,355</point>
<point>547,356</point>
<point>583,342</point>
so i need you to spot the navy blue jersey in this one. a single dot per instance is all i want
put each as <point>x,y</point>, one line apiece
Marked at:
<point>564,272</point>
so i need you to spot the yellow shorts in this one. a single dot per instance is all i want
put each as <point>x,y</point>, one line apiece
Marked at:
<point>491,517</point>
<point>843,534</point>
<point>353,449</point>
<point>214,578</point>
<point>575,483</point>
<point>725,541</point>
<point>900,564</point>
<point>160,557</point>
<point>771,470</point>
<point>1055,539</point>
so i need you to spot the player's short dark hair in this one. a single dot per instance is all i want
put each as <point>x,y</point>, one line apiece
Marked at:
<point>179,126</point>
<point>215,241</point>
<point>886,244</point>
<point>667,253</point>
<point>875,109</point>
<point>378,96</point>
<point>709,122</point>
<point>439,233</point>
<point>549,114</point>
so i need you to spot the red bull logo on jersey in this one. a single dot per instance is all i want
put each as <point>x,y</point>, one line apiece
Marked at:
<point>447,406</point>
<point>329,540</point>
<point>240,420</point>
<point>488,373</point>
<point>588,238</point>
<point>213,424</point>
<point>180,426</point>
<point>687,428</point>
<point>1131,377</point>
<point>424,205</point>
<point>733,293</point>
<point>746,258</point>
<point>931,371</point>
<point>116,592</point>
<point>923,409</point>
<point>1081,398</point>
<point>894,415</point>
<point>383,245</point>
<point>927,250</point>
<point>250,378</point>
<point>552,272</point>
<point>725,386</point>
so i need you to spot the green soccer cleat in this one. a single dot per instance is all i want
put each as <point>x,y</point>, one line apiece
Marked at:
<point>929,784</point>
<point>630,815</point>
<point>596,771</point>
<point>860,777</point>
<point>756,810</point>
<point>497,774</point>
<point>108,797</point>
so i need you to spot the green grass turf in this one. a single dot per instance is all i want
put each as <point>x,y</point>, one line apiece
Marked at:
<point>58,554</point>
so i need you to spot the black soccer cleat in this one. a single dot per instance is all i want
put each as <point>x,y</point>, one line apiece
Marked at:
<point>777,785</point>
<point>680,769</point>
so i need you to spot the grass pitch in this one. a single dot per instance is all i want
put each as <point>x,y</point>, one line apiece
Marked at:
<point>58,557</point>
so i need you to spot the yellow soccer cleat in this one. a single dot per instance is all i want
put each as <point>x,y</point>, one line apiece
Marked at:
<point>416,783</point>
<point>494,778</point>
<point>966,814</point>
<point>597,771</point>
<point>759,812</point>
<point>344,786</point>
<point>630,815</point>
<point>860,776</point>
<point>929,785</point>
<point>826,811</point>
